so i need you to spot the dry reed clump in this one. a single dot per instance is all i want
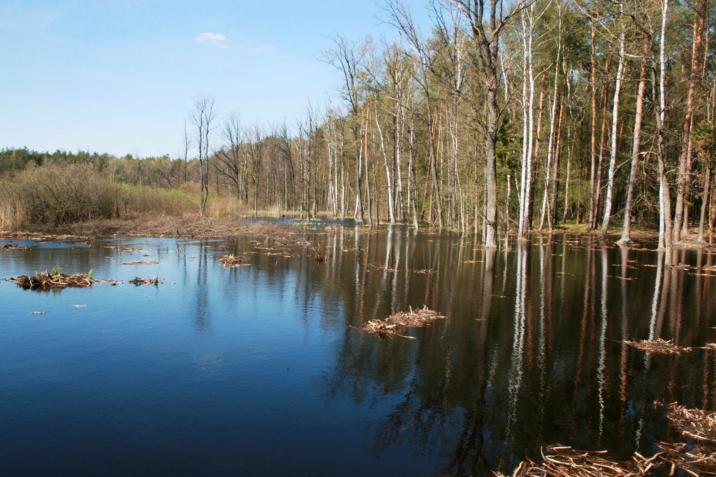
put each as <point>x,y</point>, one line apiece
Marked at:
<point>394,324</point>
<point>658,346</point>
<point>45,281</point>
<point>233,261</point>
<point>562,461</point>
<point>138,281</point>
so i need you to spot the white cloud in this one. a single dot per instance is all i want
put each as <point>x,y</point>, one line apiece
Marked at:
<point>209,37</point>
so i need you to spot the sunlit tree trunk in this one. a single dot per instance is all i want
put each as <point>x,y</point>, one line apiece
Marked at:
<point>683,173</point>
<point>636,143</point>
<point>614,136</point>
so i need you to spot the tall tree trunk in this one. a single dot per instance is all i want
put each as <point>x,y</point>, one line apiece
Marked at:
<point>704,202</point>
<point>683,174</point>
<point>664,193</point>
<point>593,150</point>
<point>636,142</point>
<point>615,121</point>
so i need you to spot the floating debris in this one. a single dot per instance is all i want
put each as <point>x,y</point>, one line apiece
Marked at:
<point>562,461</point>
<point>233,261</point>
<point>425,271</point>
<point>145,281</point>
<point>142,262</point>
<point>658,346</point>
<point>39,312</point>
<point>53,281</point>
<point>10,246</point>
<point>397,322</point>
<point>122,249</point>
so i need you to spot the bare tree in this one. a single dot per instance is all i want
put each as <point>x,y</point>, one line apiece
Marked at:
<point>203,118</point>
<point>229,163</point>
<point>348,58</point>
<point>487,20</point>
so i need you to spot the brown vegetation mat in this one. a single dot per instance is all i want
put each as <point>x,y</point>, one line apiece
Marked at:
<point>658,346</point>
<point>233,261</point>
<point>46,281</point>
<point>397,322</point>
<point>138,281</point>
<point>561,461</point>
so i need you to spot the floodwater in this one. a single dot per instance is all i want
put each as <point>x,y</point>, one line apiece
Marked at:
<point>263,370</point>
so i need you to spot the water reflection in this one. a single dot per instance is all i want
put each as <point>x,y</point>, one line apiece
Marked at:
<point>532,352</point>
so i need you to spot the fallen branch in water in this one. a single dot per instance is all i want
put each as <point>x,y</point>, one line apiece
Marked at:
<point>145,281</point>
<point>397,322</point>
<point>232,261</point>
<point>658,346</point>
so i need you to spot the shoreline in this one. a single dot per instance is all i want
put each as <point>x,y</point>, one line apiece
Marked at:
<point>194,227</point>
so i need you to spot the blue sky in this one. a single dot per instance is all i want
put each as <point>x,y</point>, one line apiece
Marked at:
<point>120,76</point>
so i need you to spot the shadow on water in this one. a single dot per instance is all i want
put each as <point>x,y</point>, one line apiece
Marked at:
<point>273,358</point>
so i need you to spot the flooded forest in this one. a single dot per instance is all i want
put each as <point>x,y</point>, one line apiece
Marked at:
<point>489,251</point>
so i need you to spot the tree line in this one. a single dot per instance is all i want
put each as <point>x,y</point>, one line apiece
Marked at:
<point>503,118</point>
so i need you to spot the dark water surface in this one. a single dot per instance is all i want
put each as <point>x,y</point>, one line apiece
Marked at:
<point>262,370</point>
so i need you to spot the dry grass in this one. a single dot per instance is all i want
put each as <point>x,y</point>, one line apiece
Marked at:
<point>658,346</point>
<point>394,324</point>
